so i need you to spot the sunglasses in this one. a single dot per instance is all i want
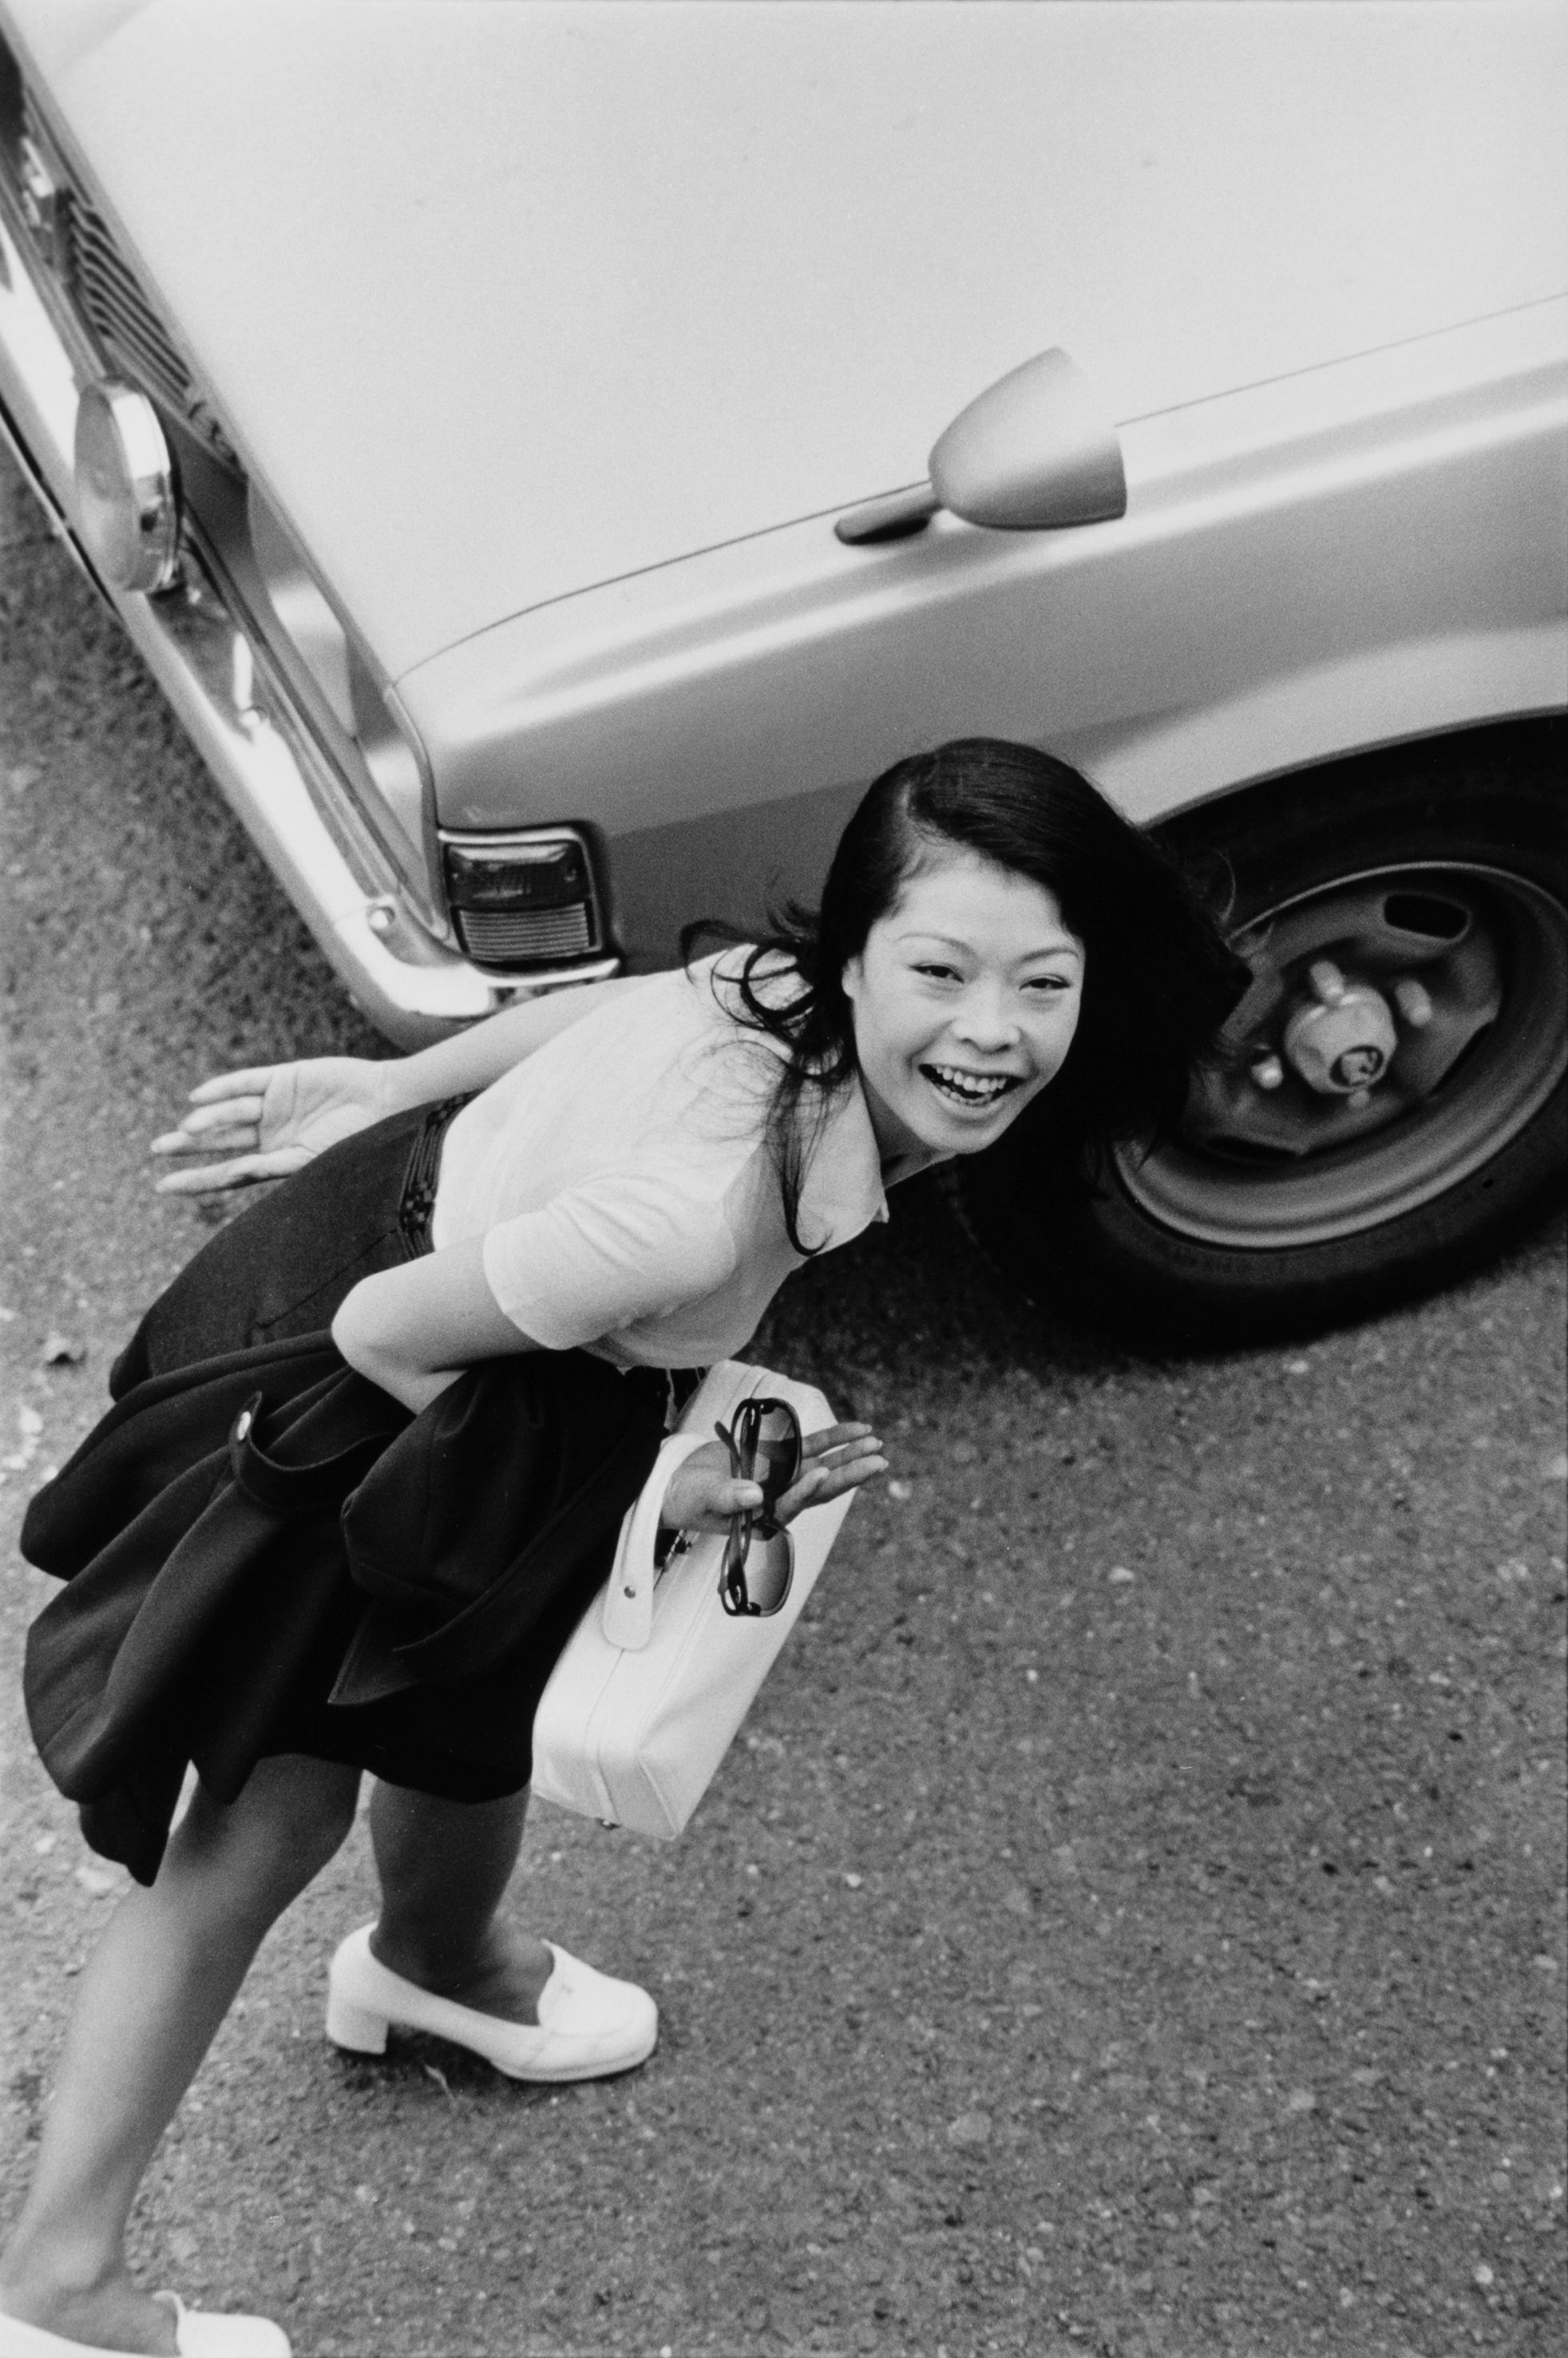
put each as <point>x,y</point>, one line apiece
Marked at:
<point>764,1440</point>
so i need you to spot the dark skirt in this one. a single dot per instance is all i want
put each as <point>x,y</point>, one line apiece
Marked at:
<point>280,1269</point>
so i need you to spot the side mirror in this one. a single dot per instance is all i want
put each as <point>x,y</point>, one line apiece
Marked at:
<point>1030,454</point>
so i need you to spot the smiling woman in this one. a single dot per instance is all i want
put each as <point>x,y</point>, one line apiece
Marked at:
<point>990,927</point>
<point>603,1190</point>
<point>966,1001</point>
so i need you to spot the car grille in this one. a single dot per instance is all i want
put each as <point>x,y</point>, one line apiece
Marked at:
<point>513,937</point>
<point>111,304</point>
<point>117,311</point>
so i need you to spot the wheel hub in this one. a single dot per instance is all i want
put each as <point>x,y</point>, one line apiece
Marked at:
<point>1397,1028</point>
<point>1339,1041</point>
<point>1363,999</point>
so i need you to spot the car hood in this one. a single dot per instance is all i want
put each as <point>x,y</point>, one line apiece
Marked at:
<point>503,301</point>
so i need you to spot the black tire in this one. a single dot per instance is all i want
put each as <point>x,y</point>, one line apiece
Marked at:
<point>1195,1249</point>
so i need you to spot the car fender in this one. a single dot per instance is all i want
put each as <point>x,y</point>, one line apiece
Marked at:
<point>1415,688</point>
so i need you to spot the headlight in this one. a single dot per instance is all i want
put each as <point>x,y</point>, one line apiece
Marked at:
<point>127,497</point>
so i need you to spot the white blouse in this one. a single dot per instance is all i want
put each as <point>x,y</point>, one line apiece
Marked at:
<point>621,1179</point>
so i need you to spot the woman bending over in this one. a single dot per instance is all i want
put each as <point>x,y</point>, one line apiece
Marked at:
<point>617,1180</point>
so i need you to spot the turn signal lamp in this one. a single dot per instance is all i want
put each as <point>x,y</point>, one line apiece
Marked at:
<point>127,493</point>
<point>523,900</point>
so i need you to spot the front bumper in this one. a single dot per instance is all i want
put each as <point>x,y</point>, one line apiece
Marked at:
<point>238,711</point>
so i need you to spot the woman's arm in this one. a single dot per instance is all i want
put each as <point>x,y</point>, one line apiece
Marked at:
<point>472,1059</point>
<point>269,1119</point>
<point>414,1329</point>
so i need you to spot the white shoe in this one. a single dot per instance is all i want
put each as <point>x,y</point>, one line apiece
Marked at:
<point>588,2025</point>
<point>198,2333</point>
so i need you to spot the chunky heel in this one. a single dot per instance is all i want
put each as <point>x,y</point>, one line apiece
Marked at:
<point>356,2027</point>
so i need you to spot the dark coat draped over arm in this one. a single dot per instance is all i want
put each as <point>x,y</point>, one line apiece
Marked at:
<point>267,1553</point>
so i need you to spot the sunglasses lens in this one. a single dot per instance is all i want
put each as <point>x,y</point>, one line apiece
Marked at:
<point>770,1563</point>
<point>774,1438</point>
<point>759,1562</point>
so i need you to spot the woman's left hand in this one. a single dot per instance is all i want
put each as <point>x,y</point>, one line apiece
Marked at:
<point>703,1494</point>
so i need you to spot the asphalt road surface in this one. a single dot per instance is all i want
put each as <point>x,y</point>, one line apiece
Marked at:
<point>1131,1920</point>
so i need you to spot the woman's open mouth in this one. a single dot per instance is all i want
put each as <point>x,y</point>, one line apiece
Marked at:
<point>974,1089</point>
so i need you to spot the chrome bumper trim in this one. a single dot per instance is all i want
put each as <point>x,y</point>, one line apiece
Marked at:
<point>238,712</point>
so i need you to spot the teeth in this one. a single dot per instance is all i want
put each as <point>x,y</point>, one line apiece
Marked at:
<point>972,1088</point>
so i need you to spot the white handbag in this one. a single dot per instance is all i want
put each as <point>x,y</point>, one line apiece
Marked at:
<point>654,1681</point>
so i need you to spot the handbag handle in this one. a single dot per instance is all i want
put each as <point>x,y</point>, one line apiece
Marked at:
<point>628,1617</point>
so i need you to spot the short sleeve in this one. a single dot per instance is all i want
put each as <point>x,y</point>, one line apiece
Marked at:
<point>601,1256</point>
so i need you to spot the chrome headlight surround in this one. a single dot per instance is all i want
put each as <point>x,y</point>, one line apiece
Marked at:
<point>127,488</point>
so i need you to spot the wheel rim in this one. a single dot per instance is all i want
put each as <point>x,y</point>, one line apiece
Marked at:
<point>1267,1170</point>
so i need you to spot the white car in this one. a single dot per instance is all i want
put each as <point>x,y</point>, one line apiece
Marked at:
<point>553,457</point>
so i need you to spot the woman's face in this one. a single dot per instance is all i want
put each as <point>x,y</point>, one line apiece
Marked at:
<point>965,1001</point>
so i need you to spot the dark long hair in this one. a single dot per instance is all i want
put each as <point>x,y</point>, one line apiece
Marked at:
<point>1158,978</point>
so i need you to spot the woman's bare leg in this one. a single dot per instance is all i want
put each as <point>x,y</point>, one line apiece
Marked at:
<point>444,1868</point>
<point>152,1998</point>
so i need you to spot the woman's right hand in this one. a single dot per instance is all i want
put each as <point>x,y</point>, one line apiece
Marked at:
<point>268,1120</point>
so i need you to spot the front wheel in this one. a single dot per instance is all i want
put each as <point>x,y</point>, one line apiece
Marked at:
<point>1393,1109</point>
